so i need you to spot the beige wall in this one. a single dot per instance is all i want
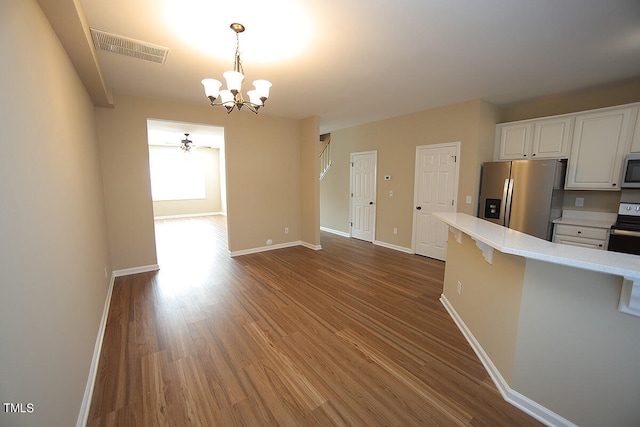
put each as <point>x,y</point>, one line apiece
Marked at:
<point>53,239</point>
<point>212,202</point>
<point>596,201</point>
<point>577,355</point>
<point>624,92</point>
<point>310,186</point>
<point>263,170</point>
<point>472,123</point>
<point>489,303</point>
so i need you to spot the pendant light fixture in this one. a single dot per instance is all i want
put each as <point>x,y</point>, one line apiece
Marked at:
<point>232,96</point>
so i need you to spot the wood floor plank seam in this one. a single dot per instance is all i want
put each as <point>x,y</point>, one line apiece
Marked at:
<point>352,335</point>
<point>454,413</point>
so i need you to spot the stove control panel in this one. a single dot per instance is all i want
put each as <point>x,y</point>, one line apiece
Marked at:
<point>630,209</point>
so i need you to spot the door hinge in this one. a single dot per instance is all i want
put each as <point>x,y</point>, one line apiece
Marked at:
<point>351,163</point>
<point>351,194</point>
<point>455,159</point>
<point>350,224</point>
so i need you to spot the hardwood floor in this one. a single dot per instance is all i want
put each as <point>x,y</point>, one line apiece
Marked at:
<point>353,335</point>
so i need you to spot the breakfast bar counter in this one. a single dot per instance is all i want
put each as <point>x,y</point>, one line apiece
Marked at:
<point>490,236</point>
<point>556,326</point>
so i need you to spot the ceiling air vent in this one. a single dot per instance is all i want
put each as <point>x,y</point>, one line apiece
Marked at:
<point>128,47</point>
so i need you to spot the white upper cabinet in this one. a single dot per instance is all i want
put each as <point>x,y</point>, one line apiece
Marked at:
<point>600,141</point>
<point>534,139</point>
<point>515,141</point>
<point>551,138</point>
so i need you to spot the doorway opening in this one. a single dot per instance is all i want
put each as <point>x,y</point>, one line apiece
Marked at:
<point>185,184</point>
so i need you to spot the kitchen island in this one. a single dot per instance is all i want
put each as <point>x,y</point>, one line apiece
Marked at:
<point>555,325</point>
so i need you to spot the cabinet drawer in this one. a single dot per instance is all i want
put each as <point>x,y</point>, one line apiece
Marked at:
<point>578,231</point>
<point>579,241</point>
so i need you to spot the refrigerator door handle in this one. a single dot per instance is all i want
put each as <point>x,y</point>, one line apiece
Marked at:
<point>507,195</point>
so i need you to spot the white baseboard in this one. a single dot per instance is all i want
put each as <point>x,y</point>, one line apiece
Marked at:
<point>93,370</point>
<point>265,248</point>
<point>394,247</point>
<point>332,231</point>
<point>189,215</point>
<point>310,246</point>
<point>273,247</point>
<point>136,270</point>
<point>536,410</point>
<point>518,400</point>
<point>375,242</point>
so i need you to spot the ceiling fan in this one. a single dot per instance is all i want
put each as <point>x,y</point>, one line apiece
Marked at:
<point>186,144</point>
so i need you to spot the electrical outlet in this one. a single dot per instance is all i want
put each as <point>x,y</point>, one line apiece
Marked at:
<point>579,202</point>
<point>459,288</point>
<point>468,200</point>
<point>395,230</point>
<point>286,230</point>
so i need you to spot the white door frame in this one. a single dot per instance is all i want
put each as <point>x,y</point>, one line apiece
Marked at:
<point>456,145</point>
<point>375,191</point>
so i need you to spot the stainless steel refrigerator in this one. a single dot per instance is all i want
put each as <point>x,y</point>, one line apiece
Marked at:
<point>524,195</point>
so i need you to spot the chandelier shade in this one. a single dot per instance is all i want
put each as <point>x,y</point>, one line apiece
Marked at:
<point>231,97</point>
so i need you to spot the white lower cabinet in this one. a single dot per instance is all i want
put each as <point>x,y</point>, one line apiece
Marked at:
<point>588,237</point>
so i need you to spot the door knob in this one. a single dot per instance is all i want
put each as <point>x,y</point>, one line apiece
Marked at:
<point>419,207</point>
<point>370,203</point>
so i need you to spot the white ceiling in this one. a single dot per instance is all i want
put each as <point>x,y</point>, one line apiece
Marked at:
<point>356,61</point>
<point>165,132</point>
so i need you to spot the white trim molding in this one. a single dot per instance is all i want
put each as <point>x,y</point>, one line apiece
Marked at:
<point>394,247</point>
<point>311,246</point>
<point>518,400</point>
<point>191,215</point>
<point>332,231</point>
<point>83,416</point>
<point>136,270</point>
<point>265,248</point>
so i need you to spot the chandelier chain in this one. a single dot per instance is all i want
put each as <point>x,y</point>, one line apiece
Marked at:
<point>238,61</point>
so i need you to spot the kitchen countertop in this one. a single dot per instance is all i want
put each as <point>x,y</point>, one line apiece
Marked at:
<point>587,219</point>
<point>513,242</point>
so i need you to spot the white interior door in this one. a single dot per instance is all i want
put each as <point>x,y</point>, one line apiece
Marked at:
<point>436,187</point>
<point>363,195</point>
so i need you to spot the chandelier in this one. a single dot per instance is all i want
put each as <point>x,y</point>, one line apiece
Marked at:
<point>186,143</point>
<point>232,96</point>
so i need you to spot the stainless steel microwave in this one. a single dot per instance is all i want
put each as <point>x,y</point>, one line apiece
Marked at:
<point>631,171</point>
